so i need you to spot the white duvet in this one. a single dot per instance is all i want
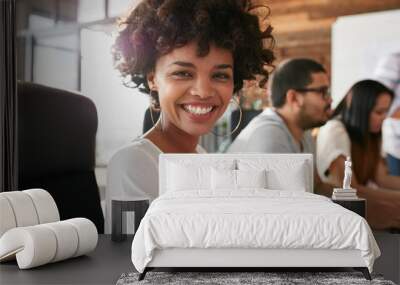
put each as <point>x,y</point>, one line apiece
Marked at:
<point>250,219</point>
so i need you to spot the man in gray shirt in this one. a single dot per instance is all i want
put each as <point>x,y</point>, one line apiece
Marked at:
<point>268,133</point>
<point>301,101</point>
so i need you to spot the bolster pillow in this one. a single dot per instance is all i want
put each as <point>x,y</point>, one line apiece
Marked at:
<point>26,208</point>
<point>40,244</point>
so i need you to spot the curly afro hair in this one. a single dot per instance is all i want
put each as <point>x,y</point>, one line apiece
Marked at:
<point>156,27</point>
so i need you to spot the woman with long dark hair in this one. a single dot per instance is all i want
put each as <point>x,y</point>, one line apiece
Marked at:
<point>356,133</point>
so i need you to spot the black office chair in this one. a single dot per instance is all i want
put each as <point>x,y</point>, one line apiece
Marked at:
<point>56,148</point>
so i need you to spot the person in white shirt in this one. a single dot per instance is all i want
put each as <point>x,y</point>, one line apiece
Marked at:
<point>190,57</point>
<point>356,132</point>
<point>388,73</point>
<point>391,137</point>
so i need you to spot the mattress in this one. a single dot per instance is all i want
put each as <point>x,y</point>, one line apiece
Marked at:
<point>251,219</point>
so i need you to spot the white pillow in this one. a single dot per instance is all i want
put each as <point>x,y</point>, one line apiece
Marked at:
<point>183,177</point>
<point>280,180</point>
<point>185,174</point>
<point>226,179</point>
<point>223,179</point>
<point>282,174</point>
<point>251,178</point>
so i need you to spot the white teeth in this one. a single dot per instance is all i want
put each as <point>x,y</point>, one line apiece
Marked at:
<point>197,110</point>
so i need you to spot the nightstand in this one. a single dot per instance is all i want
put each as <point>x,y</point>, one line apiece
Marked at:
<point>356,205</point>
<point>119,206</point>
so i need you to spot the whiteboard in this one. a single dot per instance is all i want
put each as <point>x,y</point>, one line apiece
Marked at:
<point>358,42</point>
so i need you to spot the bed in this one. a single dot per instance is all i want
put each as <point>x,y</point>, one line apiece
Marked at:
<point>245,211</point>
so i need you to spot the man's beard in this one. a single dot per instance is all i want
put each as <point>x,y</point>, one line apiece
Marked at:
<point>307,122</point>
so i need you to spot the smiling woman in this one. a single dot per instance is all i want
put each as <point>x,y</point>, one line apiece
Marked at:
<point>190,57</point>
<point>193,93</point>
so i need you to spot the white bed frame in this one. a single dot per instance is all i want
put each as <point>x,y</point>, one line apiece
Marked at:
<point>250,258</point>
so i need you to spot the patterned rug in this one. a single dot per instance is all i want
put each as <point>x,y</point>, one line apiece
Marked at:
<point>270,278</point>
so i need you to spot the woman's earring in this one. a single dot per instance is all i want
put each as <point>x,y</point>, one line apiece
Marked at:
<point>151,115</point>
<point>240,117</point>
<point>237,125</point>
<point>154,106</point>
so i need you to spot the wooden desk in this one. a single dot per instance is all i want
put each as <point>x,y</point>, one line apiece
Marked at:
<point>102,266</point>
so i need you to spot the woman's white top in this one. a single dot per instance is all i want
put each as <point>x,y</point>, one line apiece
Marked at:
<point>132,174</point>
<point>391,137</point>
<point>332,142</point>
<point>388,73</point>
